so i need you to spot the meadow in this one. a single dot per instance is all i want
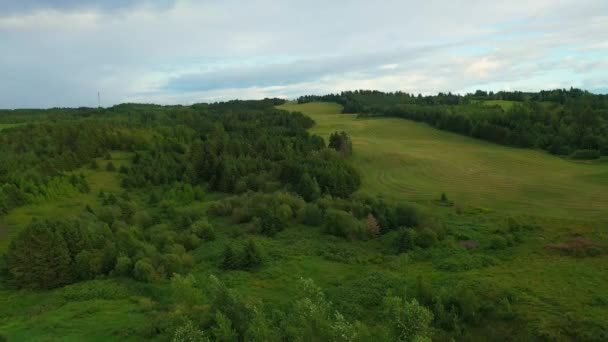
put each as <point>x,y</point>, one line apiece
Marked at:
<point>510,204</point>
<point>406,160</point>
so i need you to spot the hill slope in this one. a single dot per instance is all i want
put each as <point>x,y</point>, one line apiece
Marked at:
<point>401,159</point>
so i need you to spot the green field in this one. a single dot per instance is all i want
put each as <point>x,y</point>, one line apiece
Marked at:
<point>5,126</point>
<point>406,160</point>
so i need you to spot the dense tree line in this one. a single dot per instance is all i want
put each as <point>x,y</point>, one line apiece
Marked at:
<point>564,122</point>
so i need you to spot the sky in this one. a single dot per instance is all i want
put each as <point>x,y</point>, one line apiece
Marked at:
<point>61,53</point>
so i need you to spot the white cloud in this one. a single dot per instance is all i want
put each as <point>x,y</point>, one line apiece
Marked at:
<point>185,51</point>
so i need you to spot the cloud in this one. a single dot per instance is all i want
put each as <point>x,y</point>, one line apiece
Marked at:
<point>28,6</point>
<point>60,53</point>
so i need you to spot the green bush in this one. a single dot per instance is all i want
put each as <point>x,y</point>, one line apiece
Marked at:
<point>342,224</point>
<point>123,266</point>
<point>203,229</point>
<point>426,238</point>
<point>498,242</point>
<point>144,271</point>
<point>406,216</point>
<point>405,240</point>
<point>311,215</point>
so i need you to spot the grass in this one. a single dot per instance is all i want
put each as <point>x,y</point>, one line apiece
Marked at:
<point>406,160</point>
<point>9,125</point>
<point>398,159</point>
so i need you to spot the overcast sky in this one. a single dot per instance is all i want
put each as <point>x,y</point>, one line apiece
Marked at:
<point>62,52</point>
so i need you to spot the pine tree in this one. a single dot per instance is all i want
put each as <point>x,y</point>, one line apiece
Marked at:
<point>39,257</point>
<point>230,260</point>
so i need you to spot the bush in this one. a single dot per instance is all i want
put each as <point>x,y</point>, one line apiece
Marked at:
<point>203,229</point>
<point>220,208</point>
<point>406,215</point>
<point>123,266</point>
<point>249,257</point>
<point>342,224</point>
<point>498,242</point>
<point>426,238</point>
<point>311,215</point>
<point>406,240</point>
<point>144,271</point>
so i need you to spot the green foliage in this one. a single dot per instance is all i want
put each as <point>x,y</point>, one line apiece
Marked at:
<point>189,333</point>
<point>426,238</point>
<point>203,229</point>
<point>311,215</point>
<point>248,258</point>
<point>408,320</point>
<point>340,141</point>
<point>39,257</point>
<point>184,290</point>
<point>144,271</point>
<point>223,330</point>
<point>343,224</point>
<point>405,240</point>
<point>308,187</point>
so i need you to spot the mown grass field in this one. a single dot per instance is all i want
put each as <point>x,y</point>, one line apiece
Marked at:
<point>406,160</point>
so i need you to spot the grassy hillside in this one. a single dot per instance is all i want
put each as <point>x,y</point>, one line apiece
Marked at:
<point>402,159</point>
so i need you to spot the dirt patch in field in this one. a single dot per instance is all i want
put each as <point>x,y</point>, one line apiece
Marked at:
<point>579,246</point>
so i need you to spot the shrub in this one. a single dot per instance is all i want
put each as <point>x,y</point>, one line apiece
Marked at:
<point>189,333</point>
<point>342,224</point>
<point>426,237</point>
<point>311,215</point>
<point>123,266</point>
<point>405,240</point>
<point>220,208</point>
<point>498,242</point>
<point>203,229</point>
<point>144,271</point>
<point>406,215</point>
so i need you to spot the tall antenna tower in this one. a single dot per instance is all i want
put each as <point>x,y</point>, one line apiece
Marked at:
<point>98,100</point>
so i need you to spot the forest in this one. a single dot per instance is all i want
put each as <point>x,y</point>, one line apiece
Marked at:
<point>231,221</point>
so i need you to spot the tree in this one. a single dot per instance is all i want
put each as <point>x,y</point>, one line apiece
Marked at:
<point>260,329</point>
<point>409,321</point>
<point>308,187</point>
<point>230,260</point>
<point>373,228</point>
<point>189,333</point>
<point>223,330</point>
<point>39,257</point>
<point>144,271</point>
<point>251,256</point>
<point>340,141</point>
